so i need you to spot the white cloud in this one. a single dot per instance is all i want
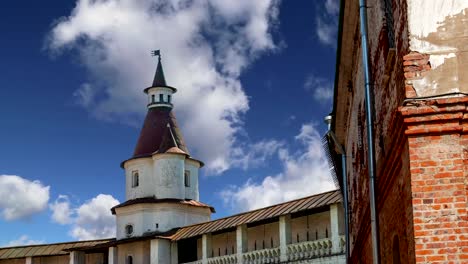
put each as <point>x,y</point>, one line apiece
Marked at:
<point>332,7</point>
<point>322,88</point>
<point>21,198</point>
<point>94,218</point>
<point>85,95</point>
<point>255,154</point>
<point>61,212</point>
<point>91,220</point>
<point>305,172</point>
<point>22,241</point>
<point>326,23</point>
<point>205,46</point>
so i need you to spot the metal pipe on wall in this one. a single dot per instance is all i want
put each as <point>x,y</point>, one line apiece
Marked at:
<point>342,152</point>
<point>370,131</point>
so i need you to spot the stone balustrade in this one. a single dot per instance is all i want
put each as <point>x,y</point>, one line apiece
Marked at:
<point>297,251</point>
<point>269,255</point>
<point>228,259</point>
<point>309,249</point>
<point>195,262</point>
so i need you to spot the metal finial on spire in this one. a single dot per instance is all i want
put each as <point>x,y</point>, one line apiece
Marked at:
<point>159,79</point>
<point>156,53</point>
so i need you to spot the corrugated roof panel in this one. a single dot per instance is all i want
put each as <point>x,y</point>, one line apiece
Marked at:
<point>296,206</point>
<point>310,202</point>
<point>27,251</point>
<point>12,253</point>
<point>3,252</point>
<point>43,250</point>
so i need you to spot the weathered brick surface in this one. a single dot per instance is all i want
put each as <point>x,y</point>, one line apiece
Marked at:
<point>438,148</point>
<point>421,150</point>
<point>415,66</point>
<point>393,182</point>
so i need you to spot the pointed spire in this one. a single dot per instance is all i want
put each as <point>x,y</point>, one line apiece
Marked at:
<point>159,79</point>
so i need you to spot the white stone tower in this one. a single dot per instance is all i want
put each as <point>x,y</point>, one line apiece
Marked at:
<point>161,178</point>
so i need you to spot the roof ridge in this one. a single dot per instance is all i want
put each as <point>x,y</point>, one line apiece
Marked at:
<point>258,209</point>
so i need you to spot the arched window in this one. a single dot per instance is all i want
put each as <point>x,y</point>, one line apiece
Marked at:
<point>169,98</point>
<point>161,98</point>
<point>396,250</point>
<point>153,98</point>
<point>135,179</point>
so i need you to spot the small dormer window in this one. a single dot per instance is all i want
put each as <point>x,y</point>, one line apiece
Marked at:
<point>187,178</point>
<point>161,98</point>
<point>135,179</point>
<point>169,98</point>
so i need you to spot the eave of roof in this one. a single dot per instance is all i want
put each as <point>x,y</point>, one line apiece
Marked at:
<point>338,60</point>
<point>54,249</point>
<point>302,204</point>
<point>154,200</point>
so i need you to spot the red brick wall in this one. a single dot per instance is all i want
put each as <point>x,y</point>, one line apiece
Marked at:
<point>437,134</point>
<point>392,156</point>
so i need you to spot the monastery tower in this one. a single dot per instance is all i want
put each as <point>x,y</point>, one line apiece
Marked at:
<point>161,177</point>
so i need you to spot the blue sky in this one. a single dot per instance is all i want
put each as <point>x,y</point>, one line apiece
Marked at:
<point>254,82</point>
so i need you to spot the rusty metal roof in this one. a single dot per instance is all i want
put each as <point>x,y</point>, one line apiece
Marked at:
<point>303,204</point>
<point>153,199</point>
<point>46,249</point>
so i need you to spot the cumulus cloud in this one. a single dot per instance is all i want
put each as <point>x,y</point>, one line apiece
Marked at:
<point>91,220</point>
<point>22,241</point>
<point>21,198</point>
<point>326,23</point>
<point>256,154</point>
<point>205,46</point>
<point>305,172</point>
<point>321,88</point>
<point>61,212</point>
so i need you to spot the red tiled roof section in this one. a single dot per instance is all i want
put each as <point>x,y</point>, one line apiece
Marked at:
<point>155,134</point>
<point>306,203</point>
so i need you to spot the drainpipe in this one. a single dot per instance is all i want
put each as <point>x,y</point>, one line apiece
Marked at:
<point>370,132</point>
<point>342,152</point>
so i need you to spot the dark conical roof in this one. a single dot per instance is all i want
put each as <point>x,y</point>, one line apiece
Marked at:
<point>159,133</point>
<point>159,79</point>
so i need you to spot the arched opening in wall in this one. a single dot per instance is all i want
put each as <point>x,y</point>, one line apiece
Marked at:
<point>129,260</point>
<point>396,250</point>
<point>135,179</point>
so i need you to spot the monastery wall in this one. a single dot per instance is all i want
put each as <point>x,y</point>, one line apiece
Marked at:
<point>422,54</point>
<point>387,46</point>
<point>140,252</point>
<point>158,217</point>
<point>311,227</point>
<point>262,236</point>
<point>13,261</point>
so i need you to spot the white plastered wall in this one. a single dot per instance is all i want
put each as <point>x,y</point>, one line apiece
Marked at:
<point>144,217</point>
<point>140,251</point>
<point>438,28</point>
<point>156,91</point>
<point>224,242</point>
<point>162,176</point>
<point>263,234</point>
<point>317,224</point>
<point>191,192</point>
<point>169,176</point>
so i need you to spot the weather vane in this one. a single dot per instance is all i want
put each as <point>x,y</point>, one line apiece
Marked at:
<point>156,53</point>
